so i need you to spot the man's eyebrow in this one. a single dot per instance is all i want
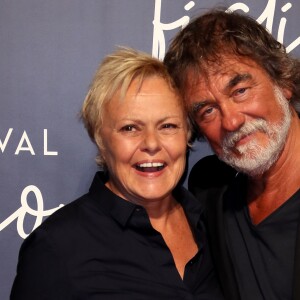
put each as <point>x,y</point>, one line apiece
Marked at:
<point>237,79</point>
<point>198,105</point>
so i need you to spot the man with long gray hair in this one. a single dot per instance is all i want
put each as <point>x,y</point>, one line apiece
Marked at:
<point>242,90</point>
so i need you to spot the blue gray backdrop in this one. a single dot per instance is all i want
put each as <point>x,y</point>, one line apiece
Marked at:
<point>49,51</point>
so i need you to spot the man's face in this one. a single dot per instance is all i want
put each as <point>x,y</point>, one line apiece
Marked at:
<point>242,114</point>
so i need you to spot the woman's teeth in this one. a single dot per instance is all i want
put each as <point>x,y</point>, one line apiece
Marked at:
<point>150,167</point>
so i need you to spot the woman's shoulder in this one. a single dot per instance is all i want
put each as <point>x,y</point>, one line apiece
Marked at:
<point>62,222</point>
<point>69,223</point>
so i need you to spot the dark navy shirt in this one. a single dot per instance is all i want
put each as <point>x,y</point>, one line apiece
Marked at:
<point>263,255</point>
<point>103,247</point>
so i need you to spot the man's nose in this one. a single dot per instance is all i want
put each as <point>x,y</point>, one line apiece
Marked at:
<point>231,118</point>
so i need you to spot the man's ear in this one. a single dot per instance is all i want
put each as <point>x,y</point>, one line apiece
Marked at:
<point>287,93</point>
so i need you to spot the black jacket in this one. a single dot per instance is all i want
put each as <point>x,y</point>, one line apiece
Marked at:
<point>208,181</point>
<point>103,247</point>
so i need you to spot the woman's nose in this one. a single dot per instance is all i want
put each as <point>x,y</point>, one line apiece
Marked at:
<point>151,141</point>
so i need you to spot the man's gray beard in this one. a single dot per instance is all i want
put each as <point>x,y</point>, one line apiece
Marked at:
<point>256,159</point>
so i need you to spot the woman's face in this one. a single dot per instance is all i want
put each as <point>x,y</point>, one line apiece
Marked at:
<point>144,137</point>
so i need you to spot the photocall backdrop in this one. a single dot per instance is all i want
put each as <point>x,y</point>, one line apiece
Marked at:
<point>49,52</point>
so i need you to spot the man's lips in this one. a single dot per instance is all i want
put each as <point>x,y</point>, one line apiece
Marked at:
<point>244,139</point>
<point>238,140</point>
<point>150,166</point>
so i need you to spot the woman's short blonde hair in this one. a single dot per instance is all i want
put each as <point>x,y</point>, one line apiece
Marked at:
<point>115,74</point>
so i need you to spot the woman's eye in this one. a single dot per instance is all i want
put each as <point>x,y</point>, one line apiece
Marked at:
<point>169,126</point>
<point>128,128</point>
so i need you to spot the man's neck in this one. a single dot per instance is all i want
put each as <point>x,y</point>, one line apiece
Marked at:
<point>269,191</point>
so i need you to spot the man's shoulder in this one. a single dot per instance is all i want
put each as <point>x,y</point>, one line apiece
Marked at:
<point>208,175</point>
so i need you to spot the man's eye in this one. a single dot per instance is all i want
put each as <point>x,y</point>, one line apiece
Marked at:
<point>203,110</point>
<point>206,114</point>
<point>208,111</point>
<point>240,91</point>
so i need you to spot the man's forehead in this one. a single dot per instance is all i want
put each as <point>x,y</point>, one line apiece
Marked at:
<point>223,72</point>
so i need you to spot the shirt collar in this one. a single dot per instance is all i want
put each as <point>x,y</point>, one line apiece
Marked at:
<point>108,202</point>
<point>122,210</point>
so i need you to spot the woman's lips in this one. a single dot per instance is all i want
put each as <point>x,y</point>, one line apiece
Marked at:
<point>150,167</point>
